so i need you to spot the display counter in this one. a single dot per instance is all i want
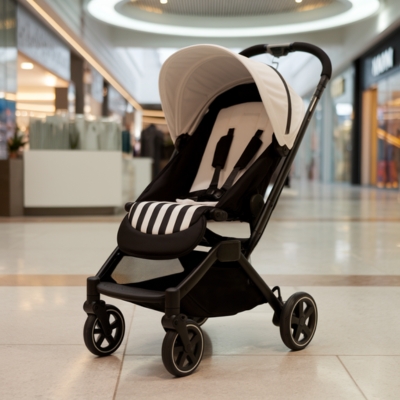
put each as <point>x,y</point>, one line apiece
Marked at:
<point>81,182</point>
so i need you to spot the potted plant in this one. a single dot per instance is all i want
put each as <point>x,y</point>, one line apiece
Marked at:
<point>15,143</point>
<point>12,178</point>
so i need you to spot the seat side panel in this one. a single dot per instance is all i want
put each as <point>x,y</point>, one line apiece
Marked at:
<point>246,119</point>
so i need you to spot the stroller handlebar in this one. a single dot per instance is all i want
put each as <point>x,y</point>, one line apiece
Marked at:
<point>279,50</point>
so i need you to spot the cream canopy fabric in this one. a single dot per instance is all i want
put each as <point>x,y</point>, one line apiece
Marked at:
<point>194,76</point>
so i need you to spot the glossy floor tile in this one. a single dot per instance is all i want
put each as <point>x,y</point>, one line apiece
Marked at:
<point>235,377</point>
<point>47,315</point>
<point>286,248</point>
<point>340,244</point>
<point>347,325</point>
<point>67,248</point>
<point>51,372</point>
<point>377,377</point>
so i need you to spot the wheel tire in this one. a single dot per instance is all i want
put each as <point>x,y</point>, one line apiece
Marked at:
<point>176,361</point>
<point>298,321</point>
<point>200,321</point>
<point>94,337</point>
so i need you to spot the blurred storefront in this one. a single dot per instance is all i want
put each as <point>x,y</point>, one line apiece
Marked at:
<point>43,72</point>
<point>45,81</point>
<point>8,75</point>
<point>307,164</point>
<point>52,100</point>
<point>326,151</point>
<point>380,114</point>
<point>342,94</point>
<point>60,95</point>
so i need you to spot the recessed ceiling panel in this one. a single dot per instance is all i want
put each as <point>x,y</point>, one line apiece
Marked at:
<point>228,8</point>
<point>230,18</point>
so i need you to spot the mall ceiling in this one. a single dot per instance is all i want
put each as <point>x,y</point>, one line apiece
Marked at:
<point>228,18</point>
<point>228,8</point>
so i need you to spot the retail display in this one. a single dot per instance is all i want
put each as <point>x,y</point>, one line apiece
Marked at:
<point>61,133</point>
<point>233,121</point>
<point>379,80</point>
<point>388,133</point>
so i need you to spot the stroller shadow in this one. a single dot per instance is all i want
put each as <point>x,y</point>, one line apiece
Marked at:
<point>208,346</point>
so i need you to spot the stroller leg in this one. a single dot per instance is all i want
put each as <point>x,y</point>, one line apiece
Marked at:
<point>111,263</point>
<point>297,317</point>
<point>275,302</point>
<point>105,325</point>
<point>178,323</point>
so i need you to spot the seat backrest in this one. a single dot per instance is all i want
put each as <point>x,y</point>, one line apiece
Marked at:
<point>246,119</point>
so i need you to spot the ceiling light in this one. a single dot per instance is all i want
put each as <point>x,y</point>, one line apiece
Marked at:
<point>26,65</point>
<point>24,107</point>
<point>50,80</point>
<point>163,1</point>
<point>105,11</point>
<point>298,1</point>
<point>8,96</point>
<point>23,96</point>
<point>344,109</point>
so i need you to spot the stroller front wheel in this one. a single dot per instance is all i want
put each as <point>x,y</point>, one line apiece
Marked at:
<point>95,338</point>
<point>298,321</point>
<point>176,360</point>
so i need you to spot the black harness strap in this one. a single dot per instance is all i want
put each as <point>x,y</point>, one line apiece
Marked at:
<point>249,152</point>
<point>219,160</point>
<point>213,193</point>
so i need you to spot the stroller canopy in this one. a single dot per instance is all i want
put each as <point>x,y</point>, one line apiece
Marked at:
<point>194,76</point>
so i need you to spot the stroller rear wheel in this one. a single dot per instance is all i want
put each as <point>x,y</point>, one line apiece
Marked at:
<point>298,321</point>
<point>176,360</point>
<point>95,338</point>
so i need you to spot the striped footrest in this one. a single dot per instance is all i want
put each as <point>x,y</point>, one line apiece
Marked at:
<point>163,218</point>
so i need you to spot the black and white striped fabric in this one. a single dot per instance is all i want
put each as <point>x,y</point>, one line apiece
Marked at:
<point>163,218</point>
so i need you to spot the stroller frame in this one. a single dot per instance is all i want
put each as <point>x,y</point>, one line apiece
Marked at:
<point>177,325</point>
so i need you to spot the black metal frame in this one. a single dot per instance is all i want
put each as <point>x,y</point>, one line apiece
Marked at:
<point>227,250</point>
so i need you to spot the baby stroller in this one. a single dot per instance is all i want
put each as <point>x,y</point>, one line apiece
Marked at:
<point>234,121</point>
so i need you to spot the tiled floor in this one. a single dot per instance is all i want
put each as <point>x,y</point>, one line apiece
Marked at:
<point>340,244</point>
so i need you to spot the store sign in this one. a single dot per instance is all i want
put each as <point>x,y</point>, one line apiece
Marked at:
<point>39,44</point>
<point>382,62</point>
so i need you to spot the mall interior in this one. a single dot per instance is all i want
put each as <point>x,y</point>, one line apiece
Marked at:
<point>87,122</point>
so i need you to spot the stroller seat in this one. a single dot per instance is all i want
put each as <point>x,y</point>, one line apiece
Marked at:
<point>239,135</point>
<point>245,120</point>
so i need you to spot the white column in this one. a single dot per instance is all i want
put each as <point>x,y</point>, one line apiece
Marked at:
<point>138,124</point>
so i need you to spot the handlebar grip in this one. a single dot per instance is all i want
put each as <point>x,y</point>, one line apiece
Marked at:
<point>317,52</point>
<point>279,50</point>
